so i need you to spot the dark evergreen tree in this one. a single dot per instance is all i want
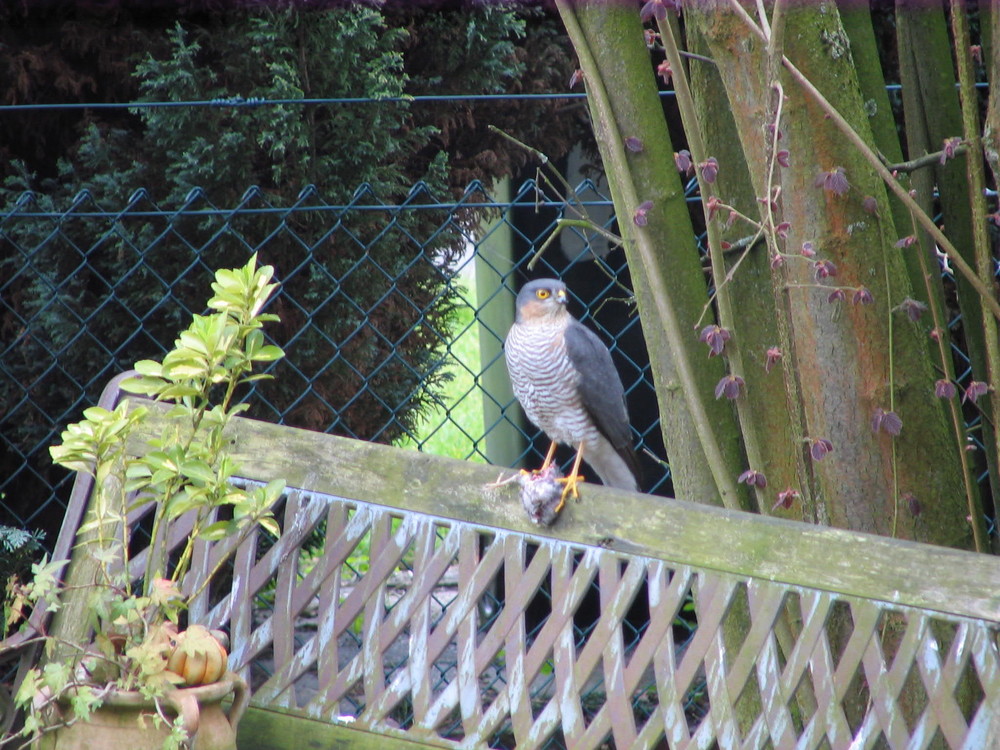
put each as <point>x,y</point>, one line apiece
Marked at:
<point>365,305</point>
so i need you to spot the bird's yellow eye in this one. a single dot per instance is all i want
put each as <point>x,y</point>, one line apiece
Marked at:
<point>542,294</point>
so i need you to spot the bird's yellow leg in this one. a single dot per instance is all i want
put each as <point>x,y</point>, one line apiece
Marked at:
<point>572,480</point>
<point>549,456</point>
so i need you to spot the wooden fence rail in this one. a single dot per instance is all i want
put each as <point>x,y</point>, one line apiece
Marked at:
<point>410,602</point>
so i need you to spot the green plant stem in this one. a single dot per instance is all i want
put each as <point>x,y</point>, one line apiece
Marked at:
<point>215,437</point>
<point>669,34</point>
<point>102,543</point>
<point>618,168</point>
<point>215,447</point>
<point>977,184</point>
<point>160,569</point>
<point>890,352</point>
<point>250,528</point>
<point>125,553</point>
<point>957,421</point>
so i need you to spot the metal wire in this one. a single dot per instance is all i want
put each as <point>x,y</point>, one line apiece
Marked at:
<point>86,290</point>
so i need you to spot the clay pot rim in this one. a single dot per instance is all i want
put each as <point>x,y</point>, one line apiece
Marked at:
<point>133,698</point>
<point>186,702</point>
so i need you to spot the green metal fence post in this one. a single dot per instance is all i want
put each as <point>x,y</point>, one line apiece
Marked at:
<point>494,266</point>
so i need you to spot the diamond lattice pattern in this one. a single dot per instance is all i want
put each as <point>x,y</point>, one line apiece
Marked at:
<point>454,633</point>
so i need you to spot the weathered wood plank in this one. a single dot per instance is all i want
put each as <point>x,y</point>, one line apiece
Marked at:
<point>271,729</point>
<point>798,554</point>
<point>423,516</point>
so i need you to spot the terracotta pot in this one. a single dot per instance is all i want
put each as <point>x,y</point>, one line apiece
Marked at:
<point>116,724</point>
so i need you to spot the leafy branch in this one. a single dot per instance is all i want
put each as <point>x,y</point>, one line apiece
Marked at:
<point>188,471</point>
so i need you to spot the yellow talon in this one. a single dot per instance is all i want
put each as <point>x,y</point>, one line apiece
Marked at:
<point>570,483</point>
<point>570,488</point>
<point>572,480</point>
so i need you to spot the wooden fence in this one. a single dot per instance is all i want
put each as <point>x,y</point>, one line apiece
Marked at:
<point>410,602</point>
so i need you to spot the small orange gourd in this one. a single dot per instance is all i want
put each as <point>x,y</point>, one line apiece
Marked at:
<point>198,657</point>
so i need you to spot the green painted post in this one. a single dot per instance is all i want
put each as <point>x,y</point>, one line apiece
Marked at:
<point>502,417</point>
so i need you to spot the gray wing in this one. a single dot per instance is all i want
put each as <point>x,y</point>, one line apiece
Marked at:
<point>601,389</point>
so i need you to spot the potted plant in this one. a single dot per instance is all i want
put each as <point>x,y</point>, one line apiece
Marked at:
<point>123,598</point>
<point>17,547</point>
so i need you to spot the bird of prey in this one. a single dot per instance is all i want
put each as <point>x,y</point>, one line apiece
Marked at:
<point>568,386</point>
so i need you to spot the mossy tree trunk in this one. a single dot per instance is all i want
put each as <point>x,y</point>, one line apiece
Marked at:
<point>850,361</point>
<point>836,330</point>
<point>700,432</point>
<point>846,424</point>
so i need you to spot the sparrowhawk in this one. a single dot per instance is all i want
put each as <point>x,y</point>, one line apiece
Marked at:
<point>568,386</point>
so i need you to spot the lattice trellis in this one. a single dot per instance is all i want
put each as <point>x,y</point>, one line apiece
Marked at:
<point>456,632</point>
<point>514,683</point>
<point>504,682</point>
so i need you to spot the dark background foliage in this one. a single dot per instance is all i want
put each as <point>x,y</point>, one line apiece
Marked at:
<point>374,295</point>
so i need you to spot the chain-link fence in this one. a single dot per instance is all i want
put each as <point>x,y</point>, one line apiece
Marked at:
<point>392,315</point>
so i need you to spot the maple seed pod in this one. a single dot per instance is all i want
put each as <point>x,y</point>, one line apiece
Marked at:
<point>198,657</point>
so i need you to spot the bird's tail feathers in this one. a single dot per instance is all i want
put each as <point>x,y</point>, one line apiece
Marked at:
<point>615,471</point>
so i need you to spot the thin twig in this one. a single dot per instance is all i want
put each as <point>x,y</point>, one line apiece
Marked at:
<point>545,161</point>
<point>670,34</point>
<point>573,202</point>
<point>562,224</point>
<point>798,420</point>
<point>927,160</point>
<point>925,221</point>
<point>696,56</point>
<point>982,247</point>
